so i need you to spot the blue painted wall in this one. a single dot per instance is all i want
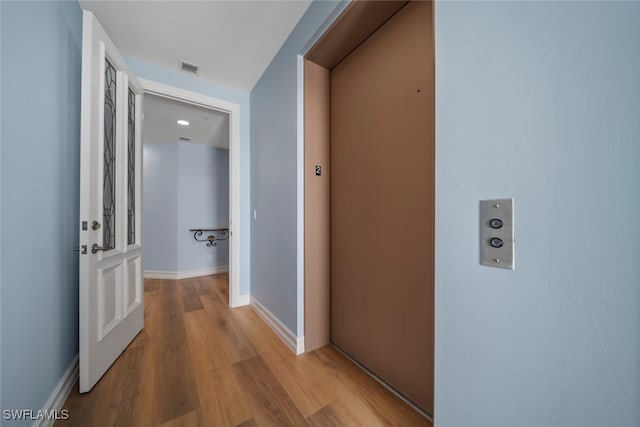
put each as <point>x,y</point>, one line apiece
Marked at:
<point>160,206</point>
<point>539,101</point>
<point>274,110</point>
<point>193,83</point>
<point>185,186</point>
<point>203,201</point>
<point>1,407</point>
<point>41,64</point>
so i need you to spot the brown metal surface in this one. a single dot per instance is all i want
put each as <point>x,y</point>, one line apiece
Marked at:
<point>383,202</point>
<point>316,205</point>
<point>357,22</point>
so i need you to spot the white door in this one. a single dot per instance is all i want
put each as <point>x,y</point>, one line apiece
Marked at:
<point>111,294</point>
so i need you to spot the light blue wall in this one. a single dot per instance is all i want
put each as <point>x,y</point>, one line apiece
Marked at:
<point>186,185</point>
<point>41,64</point>
<point>1,407</point>
<point>540,102</point>
<point>203,201</point>
<point>160,206</point>
<point>274,110</point>
<point>193,83</point>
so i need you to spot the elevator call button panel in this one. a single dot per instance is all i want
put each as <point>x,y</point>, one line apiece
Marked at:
<point>496,233</point>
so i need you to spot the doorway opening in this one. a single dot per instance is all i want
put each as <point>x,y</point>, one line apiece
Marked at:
<point>369,193</point>
<point>191,220</point>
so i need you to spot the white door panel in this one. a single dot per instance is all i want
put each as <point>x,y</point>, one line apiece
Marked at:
<point>111,294</point>
<point>133,286</point>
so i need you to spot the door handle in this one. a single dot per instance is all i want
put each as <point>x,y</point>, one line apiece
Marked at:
<point>95,225</point>
<point>95,248</point>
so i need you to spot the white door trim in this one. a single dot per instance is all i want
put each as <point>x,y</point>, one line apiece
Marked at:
<point>233,109</point>
<point>300,197</point>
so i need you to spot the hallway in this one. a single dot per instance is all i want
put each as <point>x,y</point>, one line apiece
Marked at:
<point>198,362</point>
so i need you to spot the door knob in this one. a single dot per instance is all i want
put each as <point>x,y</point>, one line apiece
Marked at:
<point>95,248</point>
<point>95,225</point>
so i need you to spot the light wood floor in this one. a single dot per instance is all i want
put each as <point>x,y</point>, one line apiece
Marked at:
<point>200,363</point>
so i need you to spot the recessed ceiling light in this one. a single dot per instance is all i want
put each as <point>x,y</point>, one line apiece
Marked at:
<point>183,122</point>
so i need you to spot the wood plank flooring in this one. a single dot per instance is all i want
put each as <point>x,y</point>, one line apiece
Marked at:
<point>200,363</point>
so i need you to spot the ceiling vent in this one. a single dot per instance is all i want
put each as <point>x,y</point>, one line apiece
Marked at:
<point>184,138</point>
<point>189,67</point>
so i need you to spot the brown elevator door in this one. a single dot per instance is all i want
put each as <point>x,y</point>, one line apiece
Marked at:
<point>382,203</point>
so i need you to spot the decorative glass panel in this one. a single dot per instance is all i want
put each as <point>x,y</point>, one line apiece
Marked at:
<point>131,170</point>
<point>109,179</point>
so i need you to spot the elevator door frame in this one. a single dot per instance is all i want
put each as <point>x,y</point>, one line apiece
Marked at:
<point>354,25</point>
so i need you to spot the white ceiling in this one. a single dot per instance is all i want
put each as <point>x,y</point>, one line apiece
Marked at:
<point>233,42</point>
<point>206,126</point>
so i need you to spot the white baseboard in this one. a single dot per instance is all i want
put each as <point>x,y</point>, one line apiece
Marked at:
<point>185,274</point>
<point>296,344</point>
<point>60,393</point>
